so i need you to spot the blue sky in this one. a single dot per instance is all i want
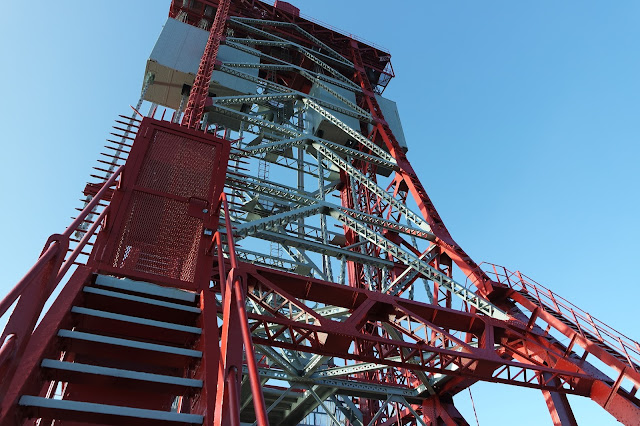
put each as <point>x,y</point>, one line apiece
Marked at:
<point>521,119</point>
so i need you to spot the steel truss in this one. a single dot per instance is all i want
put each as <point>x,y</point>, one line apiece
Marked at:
<point>312,309</point>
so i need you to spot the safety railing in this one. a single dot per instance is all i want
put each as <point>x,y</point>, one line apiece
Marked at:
<point>626,349</point>
<point>53,264</point>
<point>343,32</point>
<point>231,286</point>
<point>223,241</point>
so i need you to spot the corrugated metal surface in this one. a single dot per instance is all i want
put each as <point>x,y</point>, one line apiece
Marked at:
<point>175,60</point>
<point>180,46</point>
<point>390,111</point>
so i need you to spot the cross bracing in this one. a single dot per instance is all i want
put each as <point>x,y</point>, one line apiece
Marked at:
<point>325,232</point>
<point>309,228</point>
<point>297,211</point>
<point>315,40</point>
<point>293,218</point>
<point>282,42</point>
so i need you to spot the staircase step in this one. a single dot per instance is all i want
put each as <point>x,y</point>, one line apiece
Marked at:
<point>103,322</point>
<point>145,288</point>
<point>74,372</point>
<point>136,320</point>
<point>116,348</point>
<point>613,352</point>
<point>122,303</point>
<point>140,299</point>
<point>76,411</point>
<point>133,344</point>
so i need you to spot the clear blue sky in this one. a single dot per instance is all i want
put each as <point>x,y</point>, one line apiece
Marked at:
<point>521,118</point>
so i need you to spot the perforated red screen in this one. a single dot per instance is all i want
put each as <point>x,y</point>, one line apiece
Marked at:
<point>157,233</point>
<point>177,166</point>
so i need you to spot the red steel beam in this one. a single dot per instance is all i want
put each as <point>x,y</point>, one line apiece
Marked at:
<point>479,362</point>
<point>200,90</point>
<point>516,340</point>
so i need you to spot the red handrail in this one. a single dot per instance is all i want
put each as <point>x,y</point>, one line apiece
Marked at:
<point>237,292</point>
<point>54,247</point>
<point>48,270</point>
<point>582,320</point>
<point>29,277</point>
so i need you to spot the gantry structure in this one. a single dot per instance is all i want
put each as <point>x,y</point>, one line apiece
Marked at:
<point>257,249</point>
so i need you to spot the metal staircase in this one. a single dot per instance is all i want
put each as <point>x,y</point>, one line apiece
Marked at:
<point>613,348</point>
<point>315,319</point>
<point>127,354</point>
<point>595,340</point>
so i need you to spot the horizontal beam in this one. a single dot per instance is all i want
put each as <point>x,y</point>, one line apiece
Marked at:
<point>353,386</point>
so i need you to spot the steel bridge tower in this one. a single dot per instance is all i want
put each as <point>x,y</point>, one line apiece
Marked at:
<point>257,249</point>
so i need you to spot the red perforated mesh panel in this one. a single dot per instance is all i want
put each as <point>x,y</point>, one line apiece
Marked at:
<point>158,236</point>
<point>178,166</point>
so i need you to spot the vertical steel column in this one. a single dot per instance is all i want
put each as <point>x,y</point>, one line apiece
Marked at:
<point>200,89</point>
<point>326,260</point>
<point>234,316</point>
<point>559,407</point>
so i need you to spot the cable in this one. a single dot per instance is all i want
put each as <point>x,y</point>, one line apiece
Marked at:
<point>474,407</point>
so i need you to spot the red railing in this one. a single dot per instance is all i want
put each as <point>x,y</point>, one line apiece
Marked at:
<point>343,32</point>
<point>227,230</point>
<point>583,323</point>
<point>231,286</point>
<point>49,269</point>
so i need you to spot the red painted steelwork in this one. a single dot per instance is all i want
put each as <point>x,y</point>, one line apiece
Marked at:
<point>610,346</point>
<point>287,7</point>
<point>52,247</point>
<point>374,57</point>
<point>176,165</point>
<point>200,90</point>
<point>233,287</point>
<point>36,286</point>
<point>494,290</point>
<point>163,226</point>
<point>165,212</point>
<point>24,377</point>
<point>408,177</point>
